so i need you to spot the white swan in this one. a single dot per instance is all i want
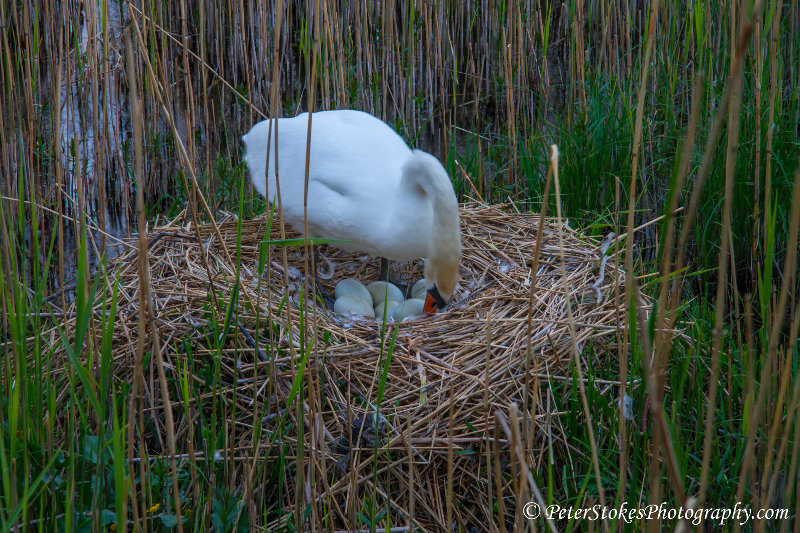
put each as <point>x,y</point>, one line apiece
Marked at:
<point>365,185</point>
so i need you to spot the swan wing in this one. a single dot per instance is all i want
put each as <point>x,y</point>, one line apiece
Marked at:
<point>355,170</point>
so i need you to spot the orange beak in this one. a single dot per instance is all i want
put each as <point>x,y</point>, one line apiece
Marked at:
<point>430,305</point>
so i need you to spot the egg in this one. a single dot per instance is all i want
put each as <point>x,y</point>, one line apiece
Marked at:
<point>382,291</point>
<point>390,307</point>
<point>411,307</point>
<point>419,289</point>
<point>350,304</point>
<point>353,287</point>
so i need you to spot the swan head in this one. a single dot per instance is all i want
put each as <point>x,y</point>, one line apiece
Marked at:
<point>441,277</point>
<point>431,188</point>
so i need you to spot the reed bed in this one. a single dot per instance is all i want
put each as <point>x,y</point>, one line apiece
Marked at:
<point>488,84</point>
<point>106,396</point>
<point>447,376</point>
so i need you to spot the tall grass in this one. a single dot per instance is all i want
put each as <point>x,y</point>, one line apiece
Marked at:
<point>639,96</point>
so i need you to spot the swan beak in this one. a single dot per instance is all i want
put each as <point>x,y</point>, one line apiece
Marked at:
<point>430,304</point>
<point>434,301</point>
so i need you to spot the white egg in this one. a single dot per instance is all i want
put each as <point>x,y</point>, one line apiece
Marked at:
<point>419,289</point>
<point>382,291</point>
<point>411,307</point>
<point>389,310</point>
<point>351,286</point>
<point>353,305</point>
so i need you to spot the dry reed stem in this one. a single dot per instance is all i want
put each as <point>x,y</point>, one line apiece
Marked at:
<point>734,114</point>
<point>146,311</point>
<point>574,335</point>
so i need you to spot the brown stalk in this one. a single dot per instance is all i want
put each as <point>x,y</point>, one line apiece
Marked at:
<point>533,272</point>
<point>757,172</point>
<point>487,410</point>
<point>188,165</point>
<point>664,344</point>
<point>145,298</point>
<point>773,83</point>
<point>58,163</point>
<point>136,405</point>
<point>793,480</point>
<point>449,495</point>
<point>576,356</point>
<point>789,266</point>
<point>306,247</point>
<point>498,479</point>
<point>722,279</point>
<point>630,280</point>
<point>512,431</point>
<point>711,143</point>
<point>620,320</point>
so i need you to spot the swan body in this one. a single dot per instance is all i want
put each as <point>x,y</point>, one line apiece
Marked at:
<point>365,186</point>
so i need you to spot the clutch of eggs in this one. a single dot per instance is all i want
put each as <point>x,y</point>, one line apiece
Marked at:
<point>378,299</point>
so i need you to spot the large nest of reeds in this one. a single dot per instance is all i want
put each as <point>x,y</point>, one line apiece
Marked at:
<point>423,393</point>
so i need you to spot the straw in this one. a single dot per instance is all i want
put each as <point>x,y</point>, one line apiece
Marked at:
<point>436,360</point>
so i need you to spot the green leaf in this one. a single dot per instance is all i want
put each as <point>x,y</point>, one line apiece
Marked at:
<point>107,516</point>
<point>169,520</point>
<point>298,378</point>
<point>300,241</point>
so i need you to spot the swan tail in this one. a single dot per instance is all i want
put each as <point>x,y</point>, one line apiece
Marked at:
<point>255,154</point>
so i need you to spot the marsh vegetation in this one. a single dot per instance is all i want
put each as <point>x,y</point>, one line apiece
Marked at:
<point>678,127</point>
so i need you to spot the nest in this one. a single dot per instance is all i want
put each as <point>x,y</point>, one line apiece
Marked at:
<point>425,394</point>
